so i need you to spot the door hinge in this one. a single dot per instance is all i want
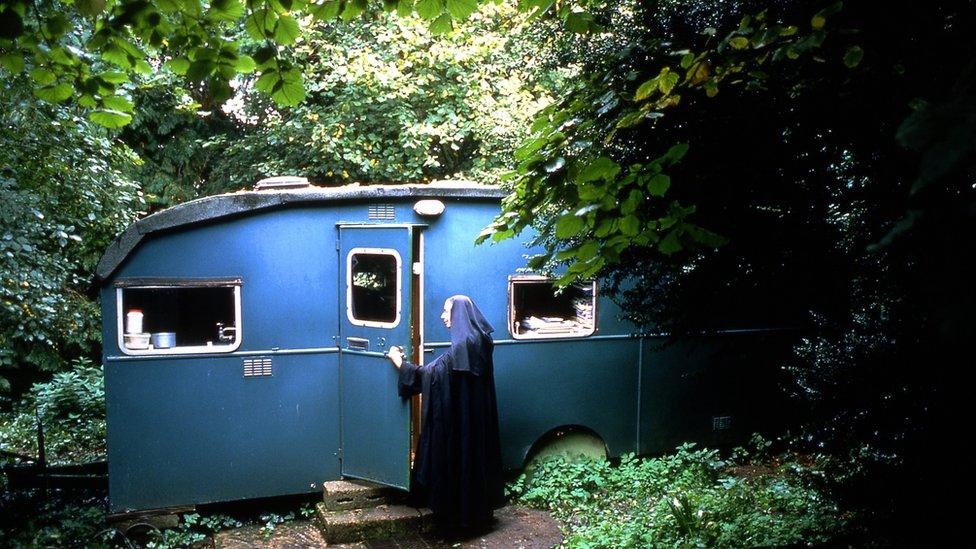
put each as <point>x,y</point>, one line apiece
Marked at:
<point>418,268</point>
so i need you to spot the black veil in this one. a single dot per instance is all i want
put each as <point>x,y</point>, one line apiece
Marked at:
<point>471,343</point>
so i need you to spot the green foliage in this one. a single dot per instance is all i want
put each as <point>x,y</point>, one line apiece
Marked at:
<point>63,197</point>
<point>68,47</point>
<point>581,182</point>
<point>387,101</point>
<point>690,498</point>
<point>71,408</point>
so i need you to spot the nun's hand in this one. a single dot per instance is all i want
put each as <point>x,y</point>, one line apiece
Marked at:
<point>396,356</point>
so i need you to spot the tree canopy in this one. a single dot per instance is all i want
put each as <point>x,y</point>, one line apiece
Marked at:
<point>92,51</point>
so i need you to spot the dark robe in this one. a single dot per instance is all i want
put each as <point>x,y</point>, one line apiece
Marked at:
<point>457,470</point>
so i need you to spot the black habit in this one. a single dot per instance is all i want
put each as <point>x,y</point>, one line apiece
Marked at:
<point>457,470</point>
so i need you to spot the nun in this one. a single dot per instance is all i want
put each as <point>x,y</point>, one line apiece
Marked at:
<point>457,470</point>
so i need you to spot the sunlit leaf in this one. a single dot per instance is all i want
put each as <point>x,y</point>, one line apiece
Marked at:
<point>110,118</point>
<point>287,30</point>
<point>569,225</point>
<point>600,168</point>
<point>55,93</point>
<point>227,10</point>
<point>442,24</point>
<point>461,9</point>
<point>326,10</point>
<point>429,9</point>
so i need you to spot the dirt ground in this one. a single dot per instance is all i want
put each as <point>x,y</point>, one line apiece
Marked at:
<point>515,527</point>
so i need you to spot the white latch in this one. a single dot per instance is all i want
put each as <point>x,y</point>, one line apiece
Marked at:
<point>418,268</point>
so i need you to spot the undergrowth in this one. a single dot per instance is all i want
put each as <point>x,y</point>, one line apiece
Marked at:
<point>690,498</point>
<point>71,408</point>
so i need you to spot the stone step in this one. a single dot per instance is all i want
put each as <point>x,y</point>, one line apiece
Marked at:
<point>380,522</point>
<point>344,495</point>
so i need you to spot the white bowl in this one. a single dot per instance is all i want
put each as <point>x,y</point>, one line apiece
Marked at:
<point>136,341</point>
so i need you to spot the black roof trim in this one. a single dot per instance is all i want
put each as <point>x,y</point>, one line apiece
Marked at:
<point>223,206</point>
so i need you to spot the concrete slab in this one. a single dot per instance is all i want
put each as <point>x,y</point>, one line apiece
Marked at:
<point>344,495</point>
<point>380,522</point>
<point>514,527</point>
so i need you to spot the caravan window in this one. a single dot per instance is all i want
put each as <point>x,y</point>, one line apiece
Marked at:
<point>170,316</point>
<point>373,287</point>
<point>536,310</point>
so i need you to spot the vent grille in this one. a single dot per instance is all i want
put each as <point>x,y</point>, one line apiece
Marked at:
<point>257,367</point>
<point>383,212</point>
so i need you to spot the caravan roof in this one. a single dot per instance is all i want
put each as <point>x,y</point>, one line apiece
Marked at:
<point>239,203</point>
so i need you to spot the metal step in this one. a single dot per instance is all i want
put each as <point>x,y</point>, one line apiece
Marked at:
<point>380,522</point>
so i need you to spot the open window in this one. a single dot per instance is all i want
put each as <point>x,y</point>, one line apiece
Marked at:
<point>536,310</point>
<point>373,285</point>
<point>179,316</point>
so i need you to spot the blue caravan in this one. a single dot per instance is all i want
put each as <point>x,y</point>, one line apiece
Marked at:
<point>245,334</point>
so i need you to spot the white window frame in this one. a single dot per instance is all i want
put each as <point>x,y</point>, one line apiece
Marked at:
<point>179,350</point>
<point>539,279</point>
<point>399,287</point>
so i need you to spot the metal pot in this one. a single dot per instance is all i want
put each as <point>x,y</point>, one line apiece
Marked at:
<point>164,340</point>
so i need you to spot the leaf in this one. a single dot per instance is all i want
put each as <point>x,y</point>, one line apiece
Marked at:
<point>646,89</point>
<point>442,24</point>
<point>699,73</point>
<point>326,10</point>
<point>579,22</point>
<point>739,42</point>
<point>261,24</point>
<point>199,70</point>
<point>245,64</point>
<point>600,168</point>
<point>290,89</point>
<point>429,9</point>
<point>687,60</point>
<point>631,119</point>
<point>114,77</point>
<point>569,225</point>
<point>633,200</point>
<point>287,30</point>
<point>55,93</point>
<point>12,61</point>
<point>118,103</point>
<point>43,76</point>
<point>227,10</point>
<point>853,56</point>
<point>90,8</point>
<point>658,185</point>
<point>670,243</point>
<point>461,9</point>
<point>352,9</point>
<point>667,81</point>
<point>405,8</point>
<point>676,152</point>
<point>588,250</point>
<point>110,118</point>
<point>179,65</point>
<point>630,225</point>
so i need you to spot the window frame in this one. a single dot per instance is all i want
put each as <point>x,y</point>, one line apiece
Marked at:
<point>399,287</point>
<point>166,284</point>
<point>537,279</point>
